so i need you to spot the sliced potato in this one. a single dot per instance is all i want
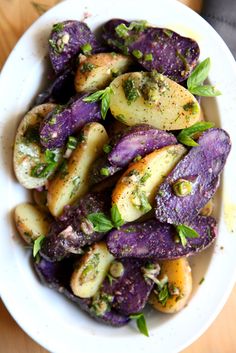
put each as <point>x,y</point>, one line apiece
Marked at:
<point>98,70</point>
<point>31,222</point>
<point>179,282</point>
<point>72,183</point>
<point>91,271</point>
<point>27,151</point>
<point>208,208</point>
<point>153,99</point>
<point>137,187</point>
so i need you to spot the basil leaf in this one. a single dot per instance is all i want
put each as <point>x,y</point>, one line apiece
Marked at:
<point>106,98</point>
<point>205,91</point>
<point>186,135</point>
<point>141,323</point>
<point>185,232</point>
<point>37,245</point>
<point>199,74</point>
<point>49,156</point>
<point>100,221</point>
<point>94,97</point>
<point>116,216</point>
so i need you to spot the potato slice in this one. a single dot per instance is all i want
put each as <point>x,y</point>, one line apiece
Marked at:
<point>91,271</point>
<point>137,187</point>
<point>40,198</point>
<point>153,99</point>
<point>179,282</point>
<point>27,151</point>
<point>73,181</point>
<point>31,222</point>
<point>98,70</point>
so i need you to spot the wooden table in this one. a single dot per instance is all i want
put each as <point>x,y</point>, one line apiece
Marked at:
<point>15,17</point>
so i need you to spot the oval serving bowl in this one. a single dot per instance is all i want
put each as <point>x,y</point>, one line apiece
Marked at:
<point>48,317</point>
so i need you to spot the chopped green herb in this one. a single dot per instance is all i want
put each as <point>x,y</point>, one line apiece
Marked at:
<point>201,281</point>
<point>72,143</point>
<point>164,295</point>
<point>100,221</point>
<point>137,54</point>
<point>141,323</point>
<point>38,244</point>
<point>116,216</point>
<point>137,158</point>
<point>107,148</point>
<point>168,32</point>
<point>76,183</point>
<point>183,59</point>
<point>148,57</point>
<point>57,27</point>
<point>104,171</point>
<point>185,232</point>
<point>186,135</point>
<point>140,201</point>
<point>87,67</point>
<point>196,79</point>
<point>42,170</point>
<point>86,49</point>
<point>104,96</point>
<point>145,177</point>
<point>110,278</point>
<point>122,30</point>
<point>115,72</point>
<point>192,107</point>
<point>182,187</point>
<point>130,90</point>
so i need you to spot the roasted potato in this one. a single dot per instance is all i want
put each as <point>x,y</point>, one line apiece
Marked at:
<point>72,182</point>
<point>91,271</point>
<point>137,187</point>
<point>31,222</point>
<point>98,70</point>
<point>179,286</point>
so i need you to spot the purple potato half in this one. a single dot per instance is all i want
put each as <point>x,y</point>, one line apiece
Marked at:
<point>71,231</point>
<point>65,121</point>
<point>138,141</point>
<point>66,40</point>
<point>56,275</point>
<point>152,239</point>
<point>201,168</point>
<point>154,48</point>
<point>130,291</point>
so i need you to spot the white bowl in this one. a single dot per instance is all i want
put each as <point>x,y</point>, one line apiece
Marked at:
<point>45,315</point>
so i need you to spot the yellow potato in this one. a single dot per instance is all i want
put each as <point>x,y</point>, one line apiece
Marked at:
<point>31,222</point>
<point>98,70</point>
<point>72,181</point>
<point>91,271</point>
<point>28,153</point>
<point>153,99</point>
<point>180,280</point>
<point>137,187</point>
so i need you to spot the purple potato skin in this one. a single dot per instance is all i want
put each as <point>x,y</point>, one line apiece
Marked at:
<point>58,126</point>
<point>173,55</point>
<point>155,240</point>
<point>131,290</point>
<point>60,91</point>
<point>56,275</point>
<point>78,34</point>
<point>202,165</point>
<point>139,141</point>
<point>66,235</point>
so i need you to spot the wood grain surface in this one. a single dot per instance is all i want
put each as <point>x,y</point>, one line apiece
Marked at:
<point>15,17</point>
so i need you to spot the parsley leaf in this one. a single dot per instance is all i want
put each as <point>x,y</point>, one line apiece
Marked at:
<point>185,232</point>
<point>37,245</point>
<point>141,323</point>
<point>100,221</point>
<point>186,135</point>
<point>116,216</point>
<point>196,79</point>
<point>104,96</point>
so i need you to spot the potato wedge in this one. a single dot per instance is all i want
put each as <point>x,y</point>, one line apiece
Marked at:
<point>91,271</point>
<point>31,222</point>
<point>137,187</point>
<point>73,181</point>
<point>179,282</point>
<point>142,97</point>
<point>40,198</point>
<point>98,70</point>
<point>27,151</point>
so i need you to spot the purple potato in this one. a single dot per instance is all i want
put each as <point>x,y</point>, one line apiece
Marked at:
<point>60,91</point>
<point>65,42</point>
<point>152,239</point>
<point>138,141</point>
<point>201,167</point>
<point>71,231</point>
<point>57,276</point>
<point>102,169</point>
<point>65,121</point>
<point>130,291</point>
<point>154,48</point>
